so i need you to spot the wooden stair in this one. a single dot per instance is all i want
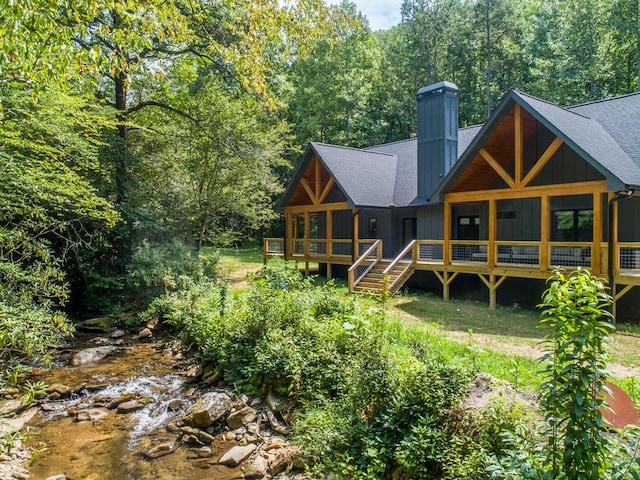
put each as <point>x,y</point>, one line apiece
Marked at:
<point>374,280</point>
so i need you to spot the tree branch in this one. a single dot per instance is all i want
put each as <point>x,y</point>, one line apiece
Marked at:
<point>153,103</point>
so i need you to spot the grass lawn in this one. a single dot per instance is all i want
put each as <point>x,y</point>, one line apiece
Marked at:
<point>505,341</point>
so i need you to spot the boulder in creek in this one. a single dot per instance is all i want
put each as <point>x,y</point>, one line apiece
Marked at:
<point>161,450</point>
<point>208,409</point>
<point>281,458</point>
<point>130,406</point>
<point>10,425</point>
<point>121,399</point>
<point>144,333</point>
<point>98,324</point>
<point>258,468</point>
<point>91,414</point>
<point>241,418</point>
<point>57,477</point>
<point>204,437</point>
<point>59,389</point>
<point>93,355</point>
<point>10,406</point>
<point>236,455</point>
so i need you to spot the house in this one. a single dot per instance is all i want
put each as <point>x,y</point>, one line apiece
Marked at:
<point>536,186</point>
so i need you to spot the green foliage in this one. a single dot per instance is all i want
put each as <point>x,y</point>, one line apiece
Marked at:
<point>574,312</point>
<point>367,404</point>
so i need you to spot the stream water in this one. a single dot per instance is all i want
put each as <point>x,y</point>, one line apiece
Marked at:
<point>110,447</point>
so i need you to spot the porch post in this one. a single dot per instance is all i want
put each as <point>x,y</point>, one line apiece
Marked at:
<point>491,250</point>
<point>329,233</point>
<point>306,243</point>
<point>356,219</point>
<point>596,267</point>
<point>446,260</point>
<point>545,210</point>
<point>287,235</point>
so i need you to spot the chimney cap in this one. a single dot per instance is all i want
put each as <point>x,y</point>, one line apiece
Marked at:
<point>440,87</point>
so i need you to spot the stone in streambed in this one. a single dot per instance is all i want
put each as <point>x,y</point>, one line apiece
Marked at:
<point>93,355</point>
<point>129,406</point>
<point>91,414</point>
<point>98,324</point>
<point>236,455</point>
<point>209,409</point>
<point>241,417</point>
<point>161,450</point>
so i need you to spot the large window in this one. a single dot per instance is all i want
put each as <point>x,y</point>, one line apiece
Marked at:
<point>572,226</point>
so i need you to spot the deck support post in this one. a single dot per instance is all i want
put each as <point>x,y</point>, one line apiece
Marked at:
<point>328,271</point>
<point>445,278</point>
<point>492,283</point>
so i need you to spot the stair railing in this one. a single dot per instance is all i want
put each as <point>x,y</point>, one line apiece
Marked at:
<point>364,264</point>
<point>407,257</point>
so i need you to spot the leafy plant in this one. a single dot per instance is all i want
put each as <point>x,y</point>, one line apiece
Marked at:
<point>579,325</point>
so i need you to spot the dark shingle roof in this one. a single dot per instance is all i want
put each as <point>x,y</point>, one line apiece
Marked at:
<point>366,177</point>
<point>620,117</point>
<point>606,133</point>
<point>589,137</point>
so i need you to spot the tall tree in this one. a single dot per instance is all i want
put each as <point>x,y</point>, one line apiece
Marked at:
<point>333,84</point>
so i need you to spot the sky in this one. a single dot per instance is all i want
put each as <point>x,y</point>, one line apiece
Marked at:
<point>382,14</point>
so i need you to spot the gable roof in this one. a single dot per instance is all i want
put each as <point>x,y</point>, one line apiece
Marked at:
<point>599,146</point>
<point>605,133</point>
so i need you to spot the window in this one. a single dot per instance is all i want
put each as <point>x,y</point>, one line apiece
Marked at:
<point>572,226</point>
<point>373,227</point>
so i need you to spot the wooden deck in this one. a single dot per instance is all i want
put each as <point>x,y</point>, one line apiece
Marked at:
<point>492,262</point>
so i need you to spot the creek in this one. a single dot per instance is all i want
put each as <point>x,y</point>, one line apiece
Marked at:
<point>87,433</point>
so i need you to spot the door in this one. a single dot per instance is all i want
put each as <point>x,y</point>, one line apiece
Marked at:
<point>409,230</point>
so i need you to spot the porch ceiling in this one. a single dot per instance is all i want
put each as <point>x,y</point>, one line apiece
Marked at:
<point>501,146</point>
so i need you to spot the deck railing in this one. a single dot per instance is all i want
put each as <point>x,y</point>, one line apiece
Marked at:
<point>272,247</point>
<point>364,264</point>
<point>506,254</point>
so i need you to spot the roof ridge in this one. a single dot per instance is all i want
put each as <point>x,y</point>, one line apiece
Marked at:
<point>603,100</point>
<point>550,103</point>
<point>361,150</point>
<point>389,143</point>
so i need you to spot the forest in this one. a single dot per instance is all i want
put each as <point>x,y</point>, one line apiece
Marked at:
<point>134,133</point>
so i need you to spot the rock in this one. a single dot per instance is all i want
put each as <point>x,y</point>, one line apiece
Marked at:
<point>5,458</point>
<point>258,468</point>
<point>204,452</point>
<point>98,324</point>
<point>204,437</point>
<point>281,459</point>
<point>153,323</point>
<point>194,371</point>
<point>176,404</point>
<point>60,389</point>
<point>191,440</point>
<point>121,399</point>
<point>129,406</point>
<point>8,407</point>
<point>10,425</point>
<point>236,455</point>
<point>57,477</point>
<point>91,414</point>
<point>92,355</point>
<point>275,424</point>
<point>241,417</point>
<point>117,334</point>
<point>208,409</point>
<point>161,450</point>
<point>277,404</point>
<point>144,333</point>
<point>21,474</point>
